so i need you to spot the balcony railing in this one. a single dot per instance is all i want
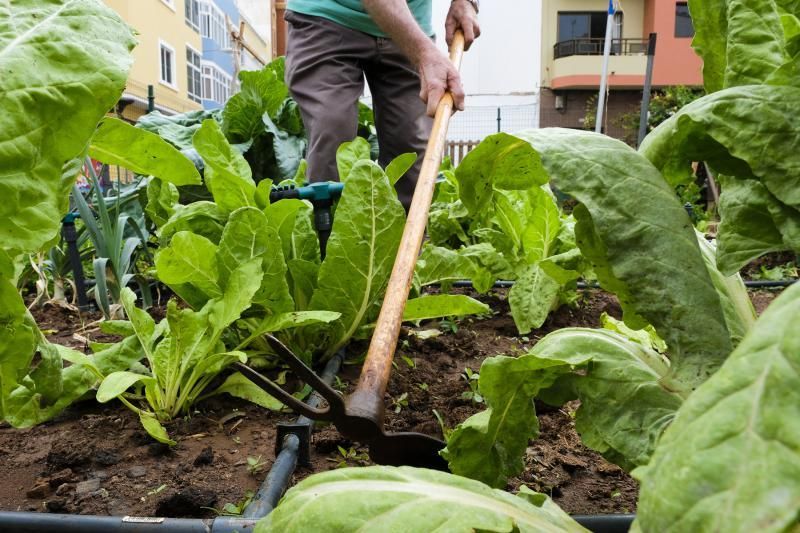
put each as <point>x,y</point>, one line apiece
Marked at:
<point>594,47</point>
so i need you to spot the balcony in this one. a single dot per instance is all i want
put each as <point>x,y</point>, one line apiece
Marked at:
<point>578,63</point>
<point>594,47</point>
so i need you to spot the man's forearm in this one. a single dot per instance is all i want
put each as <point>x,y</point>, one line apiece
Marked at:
<point>395,18</point>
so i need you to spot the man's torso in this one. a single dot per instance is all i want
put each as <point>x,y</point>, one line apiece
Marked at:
<point>351,13</point>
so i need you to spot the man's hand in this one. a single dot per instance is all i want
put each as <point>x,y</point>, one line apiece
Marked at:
<point>437,75</point>
<point>462,16</point>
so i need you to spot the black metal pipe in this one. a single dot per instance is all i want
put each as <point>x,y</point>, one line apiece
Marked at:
<point>606,523</point>
<point>280,475</point>
<point>21,522</point>
<point>70,235</point>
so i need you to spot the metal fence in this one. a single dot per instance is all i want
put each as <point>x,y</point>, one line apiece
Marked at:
<point>469,127</point>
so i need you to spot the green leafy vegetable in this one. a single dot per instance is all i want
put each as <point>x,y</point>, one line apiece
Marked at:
<point>361,250</point>
<point>118,143</point>
<point>64,66</point>
<point>731,458</point>
<point>48,112</point>
<point>385,499</point>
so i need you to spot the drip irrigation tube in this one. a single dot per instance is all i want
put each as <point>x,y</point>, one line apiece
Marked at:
<point>294,448</point>
<point>750,284</point>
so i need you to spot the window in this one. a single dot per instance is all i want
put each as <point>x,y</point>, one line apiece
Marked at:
<point>167,61</point>
<point>683,22</point>
<point>213,25</point>
<point>169,3</point>
<point>216,83</point>
<point>193,14</point>
<point>194,77</point>
<point>586,25</point>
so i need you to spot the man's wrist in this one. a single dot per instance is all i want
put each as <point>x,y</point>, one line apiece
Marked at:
<point>474,3</point>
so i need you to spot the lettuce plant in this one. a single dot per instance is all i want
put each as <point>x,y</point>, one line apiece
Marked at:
<point>386,499</point>
<point>47,113</point>
<point>515,232</point>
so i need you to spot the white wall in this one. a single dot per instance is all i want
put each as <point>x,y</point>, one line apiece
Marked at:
<point>505,60</point>
<point>257,13</point>
<point>501,69</point>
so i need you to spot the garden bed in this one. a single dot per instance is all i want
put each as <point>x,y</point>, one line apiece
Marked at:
<point>97,459</point>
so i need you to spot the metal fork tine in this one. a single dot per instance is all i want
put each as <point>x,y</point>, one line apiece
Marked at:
<point>296,405</point>
<point>302,371</point>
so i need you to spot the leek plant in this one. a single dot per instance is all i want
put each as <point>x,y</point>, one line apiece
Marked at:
<point>115,248</point>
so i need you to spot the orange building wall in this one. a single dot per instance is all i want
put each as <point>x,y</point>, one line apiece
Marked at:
<point>676,62</point>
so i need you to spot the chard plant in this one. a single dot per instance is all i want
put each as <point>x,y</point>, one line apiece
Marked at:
<point>203,240</point>
<point>515,232</point>
<point>41,152</point>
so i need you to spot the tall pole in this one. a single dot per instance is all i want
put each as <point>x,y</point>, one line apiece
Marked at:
<point>601,99</point>
<point>648,84</point>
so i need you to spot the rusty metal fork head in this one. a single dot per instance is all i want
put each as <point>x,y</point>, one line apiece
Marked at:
<point>353,421</point>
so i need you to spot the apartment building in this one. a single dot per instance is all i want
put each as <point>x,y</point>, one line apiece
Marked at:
<point>230,44</point>
<point>189,52</point>
<point>573,36</point>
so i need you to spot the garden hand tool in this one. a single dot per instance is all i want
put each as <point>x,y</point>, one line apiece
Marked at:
<point>360,416</point>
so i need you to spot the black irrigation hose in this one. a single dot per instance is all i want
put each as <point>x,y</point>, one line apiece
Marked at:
<point>280,475</point>
<point>750,284</point>
<point>602,523</point>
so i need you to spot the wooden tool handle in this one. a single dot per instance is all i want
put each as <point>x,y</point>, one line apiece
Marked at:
<point>367,399</point>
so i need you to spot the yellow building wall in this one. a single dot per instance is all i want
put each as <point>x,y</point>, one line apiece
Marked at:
<point>632,28</point>
<point>156,21</point>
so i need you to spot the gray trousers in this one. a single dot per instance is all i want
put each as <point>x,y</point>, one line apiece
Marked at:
<point>326,64</point>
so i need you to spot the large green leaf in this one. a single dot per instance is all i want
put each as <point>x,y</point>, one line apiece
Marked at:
<point>18,338</point>
<point>626,397</point>
<point>385,499</point>
<point>178,129</point>
<point>350,153</point>
<point>502,160</point>
<point>490,445</point>
<point>533,296</point>
<point>720,129</point>
<point>227,174</point>
<point>442,305</point>
<point>118,143</point>
<point>741,42</point>
<point>361,251</point>
<point>634,227</point>
<point>626,402</point>
<point>24,407</point>
<point>747,230</point>
<point>730,461</point>
<point>64,65</point>
<point>189,266</point>
<point>248,235</point>
<point>261,92</point>
<point>203,218</point>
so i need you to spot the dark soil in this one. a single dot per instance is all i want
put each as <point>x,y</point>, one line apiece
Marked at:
<point>96,459</point>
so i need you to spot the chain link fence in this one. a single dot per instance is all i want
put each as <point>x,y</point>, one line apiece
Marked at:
<point>469,127</point>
